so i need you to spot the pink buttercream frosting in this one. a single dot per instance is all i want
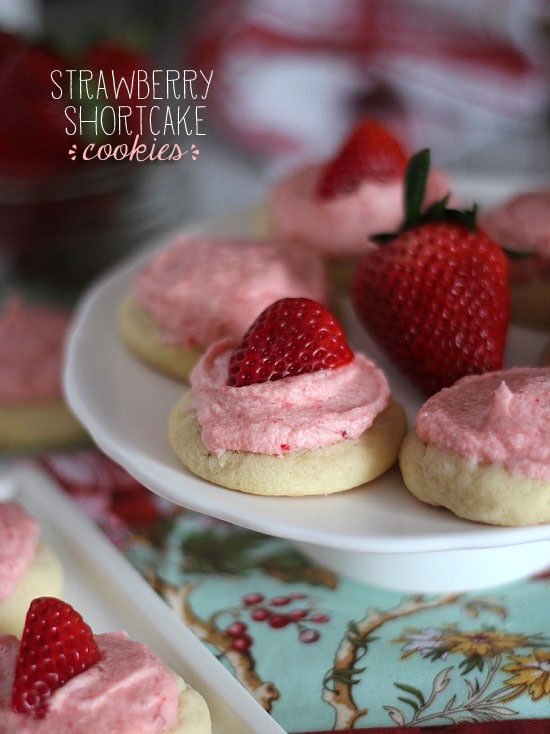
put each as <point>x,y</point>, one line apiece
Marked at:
<point>18,538</point>
<point>521,224</point>
<point>31,346</point>
<point>341,226</point>
<point>200,290</point>
<point>295,413</point>
<point>129,691</point>
<point>500,418</point>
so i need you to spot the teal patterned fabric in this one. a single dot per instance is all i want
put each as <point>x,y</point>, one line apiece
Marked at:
<point>324,652</point>
<point>319,651</point>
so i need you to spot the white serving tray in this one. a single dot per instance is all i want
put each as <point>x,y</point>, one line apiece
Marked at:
<point>111,595</point>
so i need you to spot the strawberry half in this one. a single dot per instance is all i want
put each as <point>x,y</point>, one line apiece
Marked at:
<point>291,337</point>
<point>56,645</point>
<point>435,295</point>
<point>370,153</point>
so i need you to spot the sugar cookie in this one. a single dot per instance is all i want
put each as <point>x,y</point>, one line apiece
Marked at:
<point>481,448</point>
<point>199,290</point>
<point>306,417</point>
<point>521,225</point>
<point>104,682</point>
<point>33,412</point>
<point>28,566</point>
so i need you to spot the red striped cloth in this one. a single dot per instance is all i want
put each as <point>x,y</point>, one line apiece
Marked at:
<point>291,77</point>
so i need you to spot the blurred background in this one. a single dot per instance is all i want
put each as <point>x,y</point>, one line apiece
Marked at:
<point>468,78</point>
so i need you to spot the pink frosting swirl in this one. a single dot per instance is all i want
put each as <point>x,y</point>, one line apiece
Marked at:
<point>200,290</point>
<point>19,536</point>
<point>31,347</point>
<point>498,418</point>
<point>521,224</point>
<point>129,691</point>
<point>341,226</point>
<point>302,412</point>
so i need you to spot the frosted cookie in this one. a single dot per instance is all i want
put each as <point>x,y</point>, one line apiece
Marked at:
<point>289,410</point>
<point>335,206</point>
<point>482,448</point>
<point>103,683</point>
<point>521,225</point>
<point>200,290</point>
<point>28,566</point>
<point>33,412</point>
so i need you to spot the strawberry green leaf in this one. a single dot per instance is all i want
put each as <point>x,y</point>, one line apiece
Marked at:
<point>415,186</point>
<point>416,177</point>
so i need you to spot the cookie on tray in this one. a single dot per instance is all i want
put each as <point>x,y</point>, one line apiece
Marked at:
<point>335,206</point>
<point>33,412</point>
<point>288,410</point>
<point>481,448</point>
<point>521,226</point>
<point>199,290</point>
<point>103,683</point>
<point>29,567</point>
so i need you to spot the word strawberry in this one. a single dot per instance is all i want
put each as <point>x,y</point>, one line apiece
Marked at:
<point>36,133</point>
<point>117,62</point>
<point>435,294</point>
<point>370,153</point>
<point>291,337</point>
<point>55,646</point>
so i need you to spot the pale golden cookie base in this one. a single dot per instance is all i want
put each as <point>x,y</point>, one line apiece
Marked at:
<point>145,340</point>
<point>530,304</point>
<point>484,493</point>
<point>44,577</point>
<point>39,426</point>
<point>193,713</point>
<point>341,272</point>
<point>326,470</point>
<point>261,223</point>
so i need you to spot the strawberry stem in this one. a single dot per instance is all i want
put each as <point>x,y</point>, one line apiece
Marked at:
<point>416,177</point>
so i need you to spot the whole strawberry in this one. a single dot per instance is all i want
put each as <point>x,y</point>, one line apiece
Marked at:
<point>435,295</point>
<point>290,337</point>
<point>56,645</point>
<point>371,153</point>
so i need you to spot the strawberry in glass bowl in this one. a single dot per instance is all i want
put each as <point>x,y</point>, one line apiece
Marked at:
<point>68,205</point>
